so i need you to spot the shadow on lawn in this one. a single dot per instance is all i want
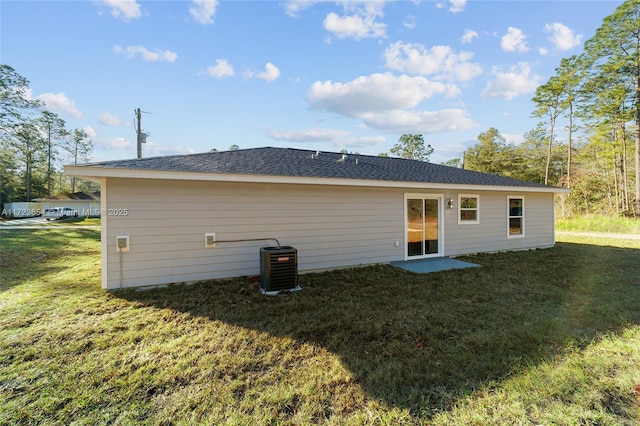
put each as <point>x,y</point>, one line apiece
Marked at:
<point>423,341</point>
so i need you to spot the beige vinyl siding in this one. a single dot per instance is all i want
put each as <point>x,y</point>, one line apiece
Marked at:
<point>491,233</point>
<point>330,226</point>
<point>167,220</point>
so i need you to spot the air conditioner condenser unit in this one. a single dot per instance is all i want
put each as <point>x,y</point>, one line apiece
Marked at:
<point>278,269</point>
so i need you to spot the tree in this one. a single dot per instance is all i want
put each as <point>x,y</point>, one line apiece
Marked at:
<point>490,155</point>
<point>15,105</point>
<point>9,182</point>
<point>453,162</point>
<point>552,100</point>
<point>569,79</point>
<point>615,50</point>
<point>54,129</point>
<point>548,99</point>
<point>531,160</point>
<point>19,141</point>
<point>80,146</point>
<point>28,145</point>
<point>412,147</point>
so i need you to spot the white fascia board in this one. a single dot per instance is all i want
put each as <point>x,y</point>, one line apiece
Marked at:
<point>93,173</point>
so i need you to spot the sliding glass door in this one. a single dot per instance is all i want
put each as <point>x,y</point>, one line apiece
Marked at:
<point>423,225</point>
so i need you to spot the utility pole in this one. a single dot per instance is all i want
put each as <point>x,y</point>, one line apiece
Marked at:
<point>139,131</point>
<point>141,137</point>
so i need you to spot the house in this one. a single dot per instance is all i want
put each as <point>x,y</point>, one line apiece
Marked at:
<point>188,217</point>
<point>87,204</point>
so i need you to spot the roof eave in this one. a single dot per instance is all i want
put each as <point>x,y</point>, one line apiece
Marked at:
<point>96,173</point>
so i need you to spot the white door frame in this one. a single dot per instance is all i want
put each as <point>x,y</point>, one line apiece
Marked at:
<point>423,196</point>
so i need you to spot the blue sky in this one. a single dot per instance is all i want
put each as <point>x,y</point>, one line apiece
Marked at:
<point>320,75</point>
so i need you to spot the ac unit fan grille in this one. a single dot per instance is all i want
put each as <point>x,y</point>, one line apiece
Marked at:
<point>278,268</point>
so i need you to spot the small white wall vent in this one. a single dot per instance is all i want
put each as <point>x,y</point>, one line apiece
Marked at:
<point>210,240</point>
<point>122,243</point>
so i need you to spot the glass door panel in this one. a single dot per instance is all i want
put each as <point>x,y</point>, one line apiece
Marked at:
<point>423,226</point>
<point>431,226</point>
<point>415,231</point>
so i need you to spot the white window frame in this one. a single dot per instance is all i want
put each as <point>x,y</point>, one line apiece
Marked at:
<point>460,209</point>
<point>522,217</point>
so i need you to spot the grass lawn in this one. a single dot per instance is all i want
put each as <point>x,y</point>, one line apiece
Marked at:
<point>600,223</point>
<point>540,337</point>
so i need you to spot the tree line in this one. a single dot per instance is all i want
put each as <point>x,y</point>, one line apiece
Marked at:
<point>34,143</point>
<point>595,97</point>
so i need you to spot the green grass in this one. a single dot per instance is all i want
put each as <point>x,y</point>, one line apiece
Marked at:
<point>601,223</point>
<point>540,337</point>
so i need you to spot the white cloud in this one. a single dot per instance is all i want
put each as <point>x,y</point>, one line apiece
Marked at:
<point>125,10</point>
<point>439,61</point>
<point>221,69</point>
<point>382,101</point>
<point>507,85</point>
<point>399,121</point>
<point>151,149</point>
<point>364,141</point>
<point>293,7</point>
<point>374,93</point>
<point>562,37</point>
<point>203,10</point>
<point>353,26</point>
<point>409,22</point>
<point>147,55</point>
<point>337,138</point>
<point>456,6</point>
<point>112,144</point>
<point>512,138</point>
<point>514,41</point>
<point>359,20</point>
<point>271,72</point>
<point>111,120</point>
<point>468,36</point>
<point>311,135</point>
<point>90,131</point>
<point>59,103</point>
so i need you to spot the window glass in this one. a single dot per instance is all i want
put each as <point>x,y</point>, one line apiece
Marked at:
<point>516,216</point>
<point>468,209</point>
<point>515,207</point>
<point>468,215</point>
<point>515,226</point>
<point>468,203</point>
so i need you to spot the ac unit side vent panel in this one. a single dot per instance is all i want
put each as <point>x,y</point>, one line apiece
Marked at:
<point>278,268</point>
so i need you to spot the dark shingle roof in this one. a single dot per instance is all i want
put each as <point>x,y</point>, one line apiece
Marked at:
<point>305,163</point>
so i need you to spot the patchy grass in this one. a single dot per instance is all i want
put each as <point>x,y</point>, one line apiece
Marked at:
<point>540,337</point>
<point>609,224</point>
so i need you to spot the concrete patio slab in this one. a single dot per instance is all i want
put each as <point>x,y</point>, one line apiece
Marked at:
<point>436,264</point>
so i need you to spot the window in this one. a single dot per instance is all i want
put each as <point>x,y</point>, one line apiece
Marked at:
<point>468,209</point>
<point>515,227</point>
